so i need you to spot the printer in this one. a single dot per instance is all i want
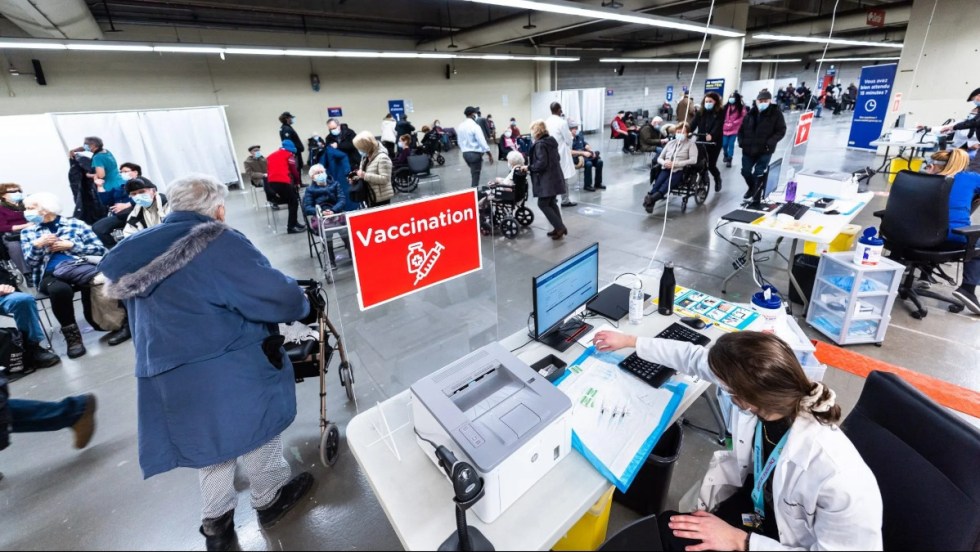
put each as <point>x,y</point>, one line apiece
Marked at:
<point>497,414</point>
<point>822,183</point>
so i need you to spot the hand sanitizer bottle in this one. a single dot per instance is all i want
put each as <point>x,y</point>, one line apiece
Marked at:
<point>636,302</point>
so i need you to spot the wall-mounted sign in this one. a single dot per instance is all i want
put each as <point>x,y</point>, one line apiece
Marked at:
<point>876,17</point>
<point>335,112</point>
<point>715,85</point>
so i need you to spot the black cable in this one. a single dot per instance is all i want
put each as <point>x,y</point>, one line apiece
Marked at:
<point>435,446</point>
<point>596,316</point>
<point>526,343</point>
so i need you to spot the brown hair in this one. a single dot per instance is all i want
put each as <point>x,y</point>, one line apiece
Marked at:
<point>6,187</point>
<point>538,129</point>
<point>405,138</point>
<point>760,369</point>
<point>683,126</point>
<point>713,96</point>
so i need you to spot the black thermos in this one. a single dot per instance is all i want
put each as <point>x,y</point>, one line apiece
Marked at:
<point>667,285</point>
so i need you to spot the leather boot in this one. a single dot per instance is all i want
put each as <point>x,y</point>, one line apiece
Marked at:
<point>119,336</point>
<point>36,356</point>
<point>84,427</point>
<point>289,496</point>
<point>73,336</point>
<point>219,533</point>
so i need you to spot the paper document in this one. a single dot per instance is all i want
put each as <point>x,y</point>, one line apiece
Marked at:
<point>616,418</point>
<point>586,340</point>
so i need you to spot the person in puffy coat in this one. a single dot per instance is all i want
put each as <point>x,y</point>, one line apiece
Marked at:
<point>226,394</point>
<point>761,131</point>
<point>734,115</point>
<point>547,179</point>
<point>375,168</point>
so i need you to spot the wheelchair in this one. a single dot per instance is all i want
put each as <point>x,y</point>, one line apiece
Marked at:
<point>695,181</point>
<point>406,179</point>
<point>504,208</point>
<point>431,145</point>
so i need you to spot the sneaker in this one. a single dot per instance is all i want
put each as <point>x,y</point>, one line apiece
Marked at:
<point>968,299</point>
<point>84,428</point>
<point>295,230</point>
<point>289,496</point>
<point>749,194</point>
<point>600,187</point>
<point>569,204</point>
<point>589,189</point>
<point>718,185</point>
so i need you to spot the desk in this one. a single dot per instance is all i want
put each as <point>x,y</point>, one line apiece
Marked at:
<point>417,497</point>
<point>914,145</point>
<point>822,229</point>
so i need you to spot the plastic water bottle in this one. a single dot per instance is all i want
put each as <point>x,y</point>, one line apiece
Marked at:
<point>791,191</point>
<point>636,302</point>
<point>667,284</point>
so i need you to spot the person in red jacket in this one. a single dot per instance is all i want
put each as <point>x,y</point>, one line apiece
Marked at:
<point>620,131</point>
<point>284,180</point>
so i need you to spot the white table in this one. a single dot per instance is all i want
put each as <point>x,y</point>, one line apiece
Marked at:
<point>769,226</point>
<point>417,497</point>
<point>929,142</point>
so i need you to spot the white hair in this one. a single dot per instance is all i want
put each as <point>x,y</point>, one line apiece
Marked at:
<point>514,158</point>
<point>657,119</point>
<point>316,169</point>
<point>199,193</point>
<point>45,201</point>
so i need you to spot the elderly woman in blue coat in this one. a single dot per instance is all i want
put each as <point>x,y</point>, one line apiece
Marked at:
<point>214,385</point>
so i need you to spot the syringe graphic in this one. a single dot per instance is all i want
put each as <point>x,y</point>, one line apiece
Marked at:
<point>430,260</point>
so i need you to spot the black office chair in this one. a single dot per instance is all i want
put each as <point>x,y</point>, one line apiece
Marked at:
<point>643,534</point>
<point>925,461</point>
<point>915,225</point>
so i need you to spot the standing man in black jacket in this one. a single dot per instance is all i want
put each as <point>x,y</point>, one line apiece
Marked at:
<point>342,137</point>
<point>710,121</point>
<point>761,132</point>
<point>286,132</point>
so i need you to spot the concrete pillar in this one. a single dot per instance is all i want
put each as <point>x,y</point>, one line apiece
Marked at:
<point>542,76</point>
<point>726,53</point>
<point>937,69</point>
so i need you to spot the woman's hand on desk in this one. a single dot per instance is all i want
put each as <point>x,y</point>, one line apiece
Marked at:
<point>606,341</point>
<point>711,530</point>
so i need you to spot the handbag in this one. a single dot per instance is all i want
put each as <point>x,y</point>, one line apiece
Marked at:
<point>77,273</point>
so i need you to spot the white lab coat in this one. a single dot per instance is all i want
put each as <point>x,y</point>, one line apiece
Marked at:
<point>825,496</point>
<point>558,129</point>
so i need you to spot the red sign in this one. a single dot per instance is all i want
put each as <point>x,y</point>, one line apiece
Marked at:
<point>897,102</point>
<point>876,17</point>
<point>803,130</point>
<point>400,249</point>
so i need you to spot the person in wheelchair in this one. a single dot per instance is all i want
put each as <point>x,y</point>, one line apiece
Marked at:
<point>403,150</point>
<point>332,196</point>
<point>503,190</point>
<point>679,153</point>
<point>586,159</point>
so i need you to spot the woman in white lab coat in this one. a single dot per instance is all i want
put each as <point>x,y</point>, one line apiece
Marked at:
<point>816,493</point>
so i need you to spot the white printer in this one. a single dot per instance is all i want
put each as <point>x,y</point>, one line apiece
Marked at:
<point>821,183</point>
<point>496,413</point>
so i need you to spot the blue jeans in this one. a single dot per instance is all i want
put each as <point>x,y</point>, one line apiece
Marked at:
<point>589,165</point>
<point>728,145</point>
<point>32,416</point>
<point>971,271</point>
<point>660,185</point>
<point>24,310</point>
<point>753,168</point>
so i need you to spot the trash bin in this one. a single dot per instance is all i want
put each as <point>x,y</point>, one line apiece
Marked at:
<point>590,531</point>
<point>805,271</point>
<point>648,493</point>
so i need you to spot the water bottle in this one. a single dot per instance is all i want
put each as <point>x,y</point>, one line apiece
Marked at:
<point>667,284</point>
<point>791,191</point>
<point>636,302</point>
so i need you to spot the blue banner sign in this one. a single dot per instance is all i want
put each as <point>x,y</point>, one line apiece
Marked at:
<point>715,85</point>
<point>670,93</point>
<point>872,105</point>
<point>396,108</point>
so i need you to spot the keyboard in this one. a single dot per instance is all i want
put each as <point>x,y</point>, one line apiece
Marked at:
<point>794,210</point>
<point>656,374</point>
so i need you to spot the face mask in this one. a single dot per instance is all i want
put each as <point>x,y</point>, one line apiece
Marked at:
<point>681,136</point>
<point>513,122</point>
<point>142,200</point>
<point>731,100</point>
<point>257,154</point>
<point>709,105</point>
<point>128,175</point>
<point>508,133</point>
<point>86,148</point>
<point>335,132</point>
<point>763,106</point>
<point>320,178</point>
<point>656,127</point>
<point>437,123</point>
<point>292,121</point>
<point>363,153</point>
<point>402,145</point>
<point>33,217</point>
<point>15,197</point>
<point>976,103</point>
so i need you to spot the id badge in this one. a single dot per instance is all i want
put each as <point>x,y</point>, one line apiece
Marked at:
<point>752,521</point>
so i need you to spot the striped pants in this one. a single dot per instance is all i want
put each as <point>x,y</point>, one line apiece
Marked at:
<point>267,472</point>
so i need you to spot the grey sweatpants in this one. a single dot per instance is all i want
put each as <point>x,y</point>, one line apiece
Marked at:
<point>267,472</point>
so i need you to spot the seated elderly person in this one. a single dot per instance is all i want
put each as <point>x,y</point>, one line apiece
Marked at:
<point>679,153</point>
<point>22,307</point>
<point>55,249</point>
<point>652,138</point>
<point>151,206</point>
<point>585,158</point>
<point>332,197</point>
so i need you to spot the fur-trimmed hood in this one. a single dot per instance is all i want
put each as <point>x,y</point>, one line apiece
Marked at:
<point>141,262</point>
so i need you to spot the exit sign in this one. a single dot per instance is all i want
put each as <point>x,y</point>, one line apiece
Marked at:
<point>876,17</point>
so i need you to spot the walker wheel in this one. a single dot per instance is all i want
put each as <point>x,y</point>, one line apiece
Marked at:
<point>330,445</point>
<point>347,379</point>
<point>440,160</point>
<point>524,216</point>
<point>510,227</point>
<point>701,195</point>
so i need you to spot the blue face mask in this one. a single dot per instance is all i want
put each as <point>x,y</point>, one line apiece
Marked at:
<point>731,100</point>
<point>335,132</point>
<point>257,154</point>
<point>709,105</point>
<point>142,200</point>
<point>33,216</point>
<point>86,148</point>
<point>762,106</point>
<point>16,197</point>
<point>976,103</point>
<point>320,178</point>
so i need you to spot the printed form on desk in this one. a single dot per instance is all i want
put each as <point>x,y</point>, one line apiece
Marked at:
<point>616,418</point>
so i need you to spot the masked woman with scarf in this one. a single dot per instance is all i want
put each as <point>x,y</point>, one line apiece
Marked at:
<point>12,208</point>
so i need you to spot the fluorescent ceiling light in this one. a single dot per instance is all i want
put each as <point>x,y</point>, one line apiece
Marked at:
<point>652,60</point>
<point>110,47</point>
<point>256,51</point>
<point>822,40</point>
<point>564,7</point>
<point>32,45</point>
<point>189,49</point>
<point>837,60</point>
<point>771,60</point>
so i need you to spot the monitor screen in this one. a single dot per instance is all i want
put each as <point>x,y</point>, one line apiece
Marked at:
<point>560,291</point>
<point>772,177</point>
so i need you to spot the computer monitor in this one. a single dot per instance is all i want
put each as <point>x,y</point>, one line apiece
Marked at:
<point>559,292</point>
<point>764,191</point>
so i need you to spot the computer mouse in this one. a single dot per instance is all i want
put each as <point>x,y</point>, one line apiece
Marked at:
<point>693,322</point>
<point>832,212</point>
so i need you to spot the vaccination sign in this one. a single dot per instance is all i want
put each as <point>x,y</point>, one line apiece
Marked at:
<point>404,248</point>
<point>871,108</point>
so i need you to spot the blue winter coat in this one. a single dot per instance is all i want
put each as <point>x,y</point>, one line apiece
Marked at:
<point>201,299</point>
<point>338,167</point>
<point>330,197</point>
<point>966,186</point>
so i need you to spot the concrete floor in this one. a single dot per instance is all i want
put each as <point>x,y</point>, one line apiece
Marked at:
<point>57,498</point>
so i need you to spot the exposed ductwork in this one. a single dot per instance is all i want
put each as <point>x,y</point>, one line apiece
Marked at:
<point>63,19</point>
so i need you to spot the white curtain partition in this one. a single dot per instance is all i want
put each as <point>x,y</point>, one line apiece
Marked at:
<point>584,105</point>
<point>166,143</point>
<point>593,106</point>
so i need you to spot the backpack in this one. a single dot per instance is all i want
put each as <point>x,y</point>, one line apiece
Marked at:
<point>12,352</point>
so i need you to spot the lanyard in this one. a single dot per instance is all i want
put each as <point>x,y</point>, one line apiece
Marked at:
<point>762,473</point>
